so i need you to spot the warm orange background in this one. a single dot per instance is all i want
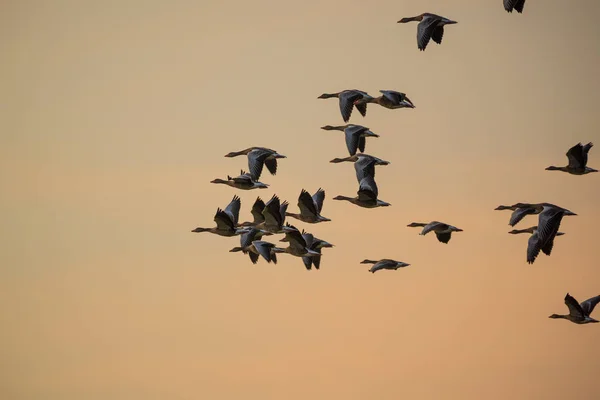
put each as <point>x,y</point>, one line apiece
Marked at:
<point>116,115</point>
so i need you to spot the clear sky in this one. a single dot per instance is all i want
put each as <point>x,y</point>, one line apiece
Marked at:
<point>115,115</point>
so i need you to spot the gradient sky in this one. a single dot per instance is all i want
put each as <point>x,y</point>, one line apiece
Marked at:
<point>116,115</point>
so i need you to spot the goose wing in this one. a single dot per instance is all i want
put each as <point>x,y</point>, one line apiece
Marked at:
<point>318,199</point>
<point>233,209</point>
<point>444,237</point>
<point>257,209</point>
<point>519,214</point>
<point>253,257</point>
<point>306,204</point>
<point>263,248</point>
<point>248,237</point>
<point>438,34</point>
<point>589,305</point>
<point>575,156</point>
<point>353,136</point>
<point>271,164</point>
<point>547,248</point>
<point>256,161</point>
<point>223,221</point>
<point>548,223</point>
<point>295,239</point>
<point>364,167</point>
<point>574,308</point>
<point>586,150</point>
<point>271,212</point>
<point>367,189</point>
<point>347,99</point>
<point>517,5</point>
<point>308,262</point>
<point>424,31</point>
<point>533,248</point>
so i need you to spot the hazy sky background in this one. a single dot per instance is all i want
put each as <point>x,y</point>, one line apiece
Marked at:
<point>116,115</point>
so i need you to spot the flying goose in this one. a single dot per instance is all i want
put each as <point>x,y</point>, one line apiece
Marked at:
<point>257,208</point>
<point>367,194</point>
<point>364,164</point>
<point>390,99</point>
<point>259,248</point>
<point>297,244</point>
<point>533,248</point>
<point>226,220</point>
<point>257,157</point>
<point>521,210</point>
<point>244,182</point>
<point>385,263</point>
<point>431,26</point>
<point>310,207</point>
<point>314,244</point>
<point>578,157</point>
<point>355,136</point>
<point>442,231</point>
<point>579,313</point>
<point>347,99</point>
<point>548,223</point>
<point>517,5</point>
<point>274,215</point>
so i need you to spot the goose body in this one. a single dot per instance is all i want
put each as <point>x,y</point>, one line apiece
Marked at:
<point>521,210</point>
<point>226,220</point>
<point>443,231</point>
<point>310,207</point>
<point>367,195</point>
<point>430,26</point>
<point>385,263</point>
<point>578,157</point>
<point>355,136</point>
<point>364,164</point>
<point>389,99</point>
<point>244,182</point>
<point>347,99</point>
<point>257,158</point>
<point>579,313</point>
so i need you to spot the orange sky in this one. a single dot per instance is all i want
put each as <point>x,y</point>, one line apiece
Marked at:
<point>115,116</point>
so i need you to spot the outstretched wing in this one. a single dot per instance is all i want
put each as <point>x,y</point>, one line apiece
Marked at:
<point>533,248</point>
<point>444,237</point>
<point>519,214</point>
<point>589,305</point>
<point>424,31</point>
<point>318,199</point>
<point>233,209</point>
<point>575,156</point>
<point>347,99</point>
<point>574,308</point>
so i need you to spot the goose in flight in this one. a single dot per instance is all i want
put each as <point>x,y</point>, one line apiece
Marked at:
<point>226,220</point>
<point>367,194</point>
<point>548,223</point>
<point>244,181</point>
<point>390,99</point>
<point>442,231</point>
<point>355,136</point>
<point>310,207</point>
<point>533,249</point>
<point>257,209</point>
<point>578,157</point>
<point>579,313</point>
<point>517,5</point>
<point>257,158</point>
<point>521,210</point>
<point>385,263</point>
<point>258,248</point>
<point>430,26</point>
<point>347,99</point>
<point>364,164</point>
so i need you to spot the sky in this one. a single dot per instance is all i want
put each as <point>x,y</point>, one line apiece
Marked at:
<point>115,116</point>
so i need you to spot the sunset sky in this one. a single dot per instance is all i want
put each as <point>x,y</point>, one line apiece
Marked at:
<point>116,115</point>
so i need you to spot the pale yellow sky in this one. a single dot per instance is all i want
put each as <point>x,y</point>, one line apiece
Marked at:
<point>116,115</point>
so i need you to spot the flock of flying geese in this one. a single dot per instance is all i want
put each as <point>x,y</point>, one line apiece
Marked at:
<point>269,218</point>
